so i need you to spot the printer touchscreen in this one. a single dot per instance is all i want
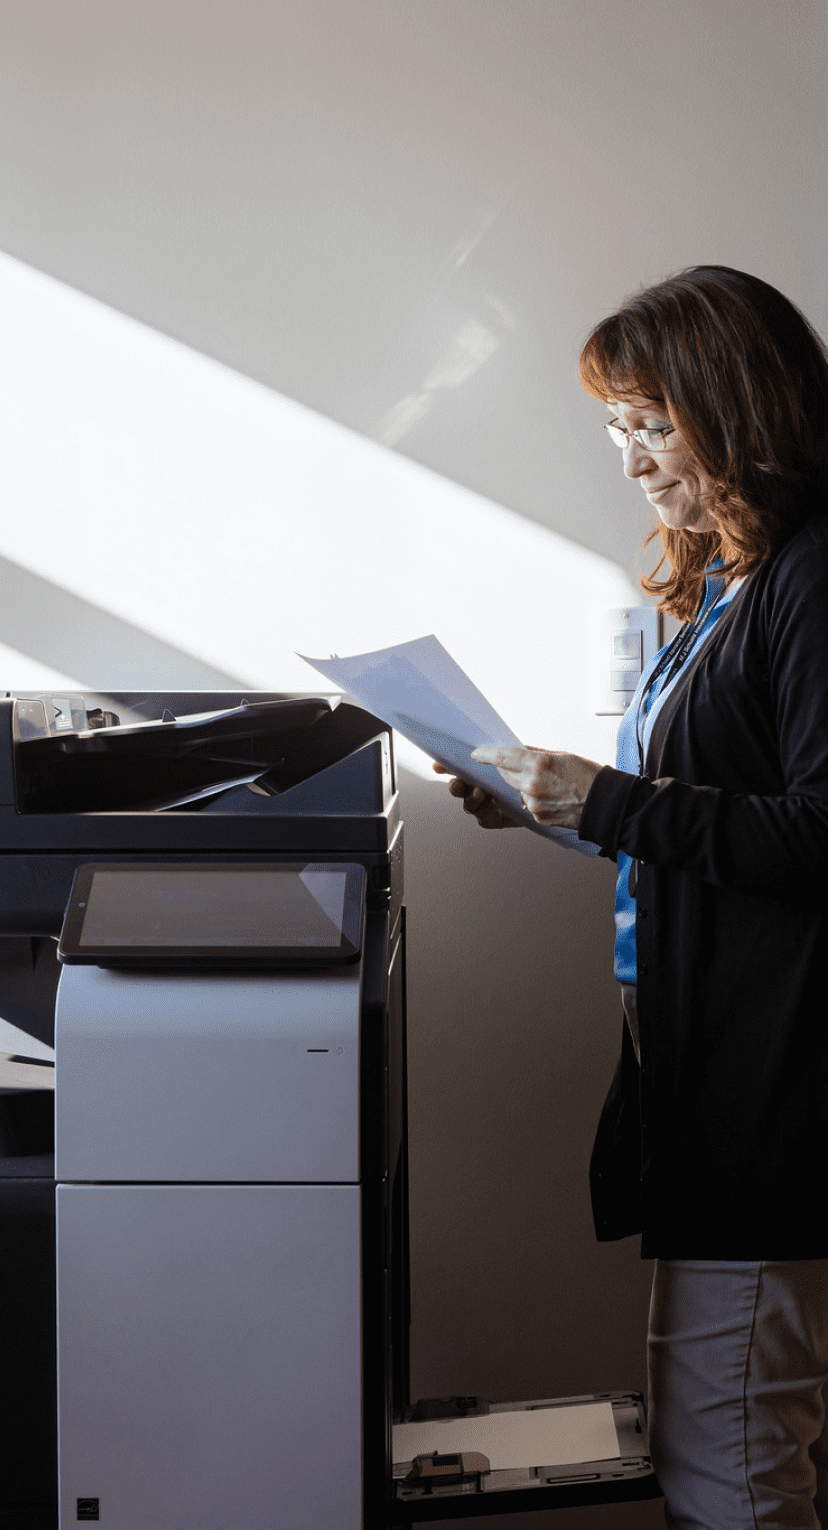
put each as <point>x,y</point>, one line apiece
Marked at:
<point>235,914</point>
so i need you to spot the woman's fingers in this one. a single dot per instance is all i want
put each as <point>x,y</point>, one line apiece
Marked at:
<point>486,810</point>
<point>456,786</point>
<point>511,757</point>
<point>553,786</point>
<point>491,816</point>
<point>478,802</point>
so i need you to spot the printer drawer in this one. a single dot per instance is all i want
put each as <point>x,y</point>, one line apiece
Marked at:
<point>462,1458</point>
<point>209,1349</point>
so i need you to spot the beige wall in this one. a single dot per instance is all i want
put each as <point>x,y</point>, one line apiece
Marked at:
<point>320,195</point>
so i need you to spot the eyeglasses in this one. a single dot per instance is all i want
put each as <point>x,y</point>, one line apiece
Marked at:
<point>651,440</point>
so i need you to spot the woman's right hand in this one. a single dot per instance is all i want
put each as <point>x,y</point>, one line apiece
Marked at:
<point>480,804</point>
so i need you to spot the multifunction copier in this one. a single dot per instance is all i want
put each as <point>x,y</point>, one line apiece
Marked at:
<point>204,1302</point>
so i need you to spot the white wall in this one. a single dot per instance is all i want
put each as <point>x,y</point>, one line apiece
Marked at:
<point>324,197</point>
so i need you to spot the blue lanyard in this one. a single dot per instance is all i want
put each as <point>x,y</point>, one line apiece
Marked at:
<point>674,656</point>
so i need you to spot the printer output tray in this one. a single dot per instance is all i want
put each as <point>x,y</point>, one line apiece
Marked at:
<point>437,1460</point>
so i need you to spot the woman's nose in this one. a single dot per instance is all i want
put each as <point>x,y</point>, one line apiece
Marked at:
<point>636,459</point>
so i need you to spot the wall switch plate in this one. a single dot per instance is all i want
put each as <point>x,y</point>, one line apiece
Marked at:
<point>623,641</point>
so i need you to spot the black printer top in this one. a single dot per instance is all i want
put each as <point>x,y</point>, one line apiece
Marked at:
<point>183,776</point>
<point>70,760</point>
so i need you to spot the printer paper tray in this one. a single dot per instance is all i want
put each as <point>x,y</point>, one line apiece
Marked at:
<point>506,1435</point>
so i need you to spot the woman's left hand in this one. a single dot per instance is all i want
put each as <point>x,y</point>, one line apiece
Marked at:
<point>552,786</point>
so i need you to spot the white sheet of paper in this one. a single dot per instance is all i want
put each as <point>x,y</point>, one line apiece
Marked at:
<point>21,1044</point>
<point>564,1435</point>
<point>23,1075</point>
<point>418,689</point>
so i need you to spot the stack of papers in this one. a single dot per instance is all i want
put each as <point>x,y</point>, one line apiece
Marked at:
<point>418,689</point>
<point>560,1435</point>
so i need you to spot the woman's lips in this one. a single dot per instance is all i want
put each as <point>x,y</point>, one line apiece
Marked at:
<point>657,493</point>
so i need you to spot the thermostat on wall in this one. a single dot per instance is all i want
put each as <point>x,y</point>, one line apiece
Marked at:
<point>624,639</point>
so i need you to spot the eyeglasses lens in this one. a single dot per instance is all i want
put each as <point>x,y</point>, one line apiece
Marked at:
<point>651,440</point>
<point>617,435</point>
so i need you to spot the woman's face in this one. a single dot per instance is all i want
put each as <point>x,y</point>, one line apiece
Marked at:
<point>663,474</point>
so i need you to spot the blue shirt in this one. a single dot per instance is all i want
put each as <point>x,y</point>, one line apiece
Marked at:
<point>627,759</point>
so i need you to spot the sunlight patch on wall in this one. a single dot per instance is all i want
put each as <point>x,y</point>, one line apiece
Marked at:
<point>240,526</point>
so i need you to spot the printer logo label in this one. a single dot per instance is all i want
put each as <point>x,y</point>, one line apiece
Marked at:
<point>89,1508</point>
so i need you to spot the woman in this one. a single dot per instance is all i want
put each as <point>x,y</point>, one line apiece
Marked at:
<point>713,1142</point>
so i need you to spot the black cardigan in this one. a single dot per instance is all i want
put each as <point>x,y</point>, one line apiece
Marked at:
<point>717,1148</point>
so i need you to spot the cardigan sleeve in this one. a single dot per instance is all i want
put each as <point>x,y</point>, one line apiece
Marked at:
<point>772,844</point>
<point>765,845</point>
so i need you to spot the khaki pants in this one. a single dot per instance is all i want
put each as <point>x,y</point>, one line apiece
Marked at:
<point>738,1376</point>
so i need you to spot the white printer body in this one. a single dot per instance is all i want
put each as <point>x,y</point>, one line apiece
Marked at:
<point>208,1248</point>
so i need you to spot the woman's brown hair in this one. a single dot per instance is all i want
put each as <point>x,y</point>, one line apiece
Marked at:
<point>744,377</point>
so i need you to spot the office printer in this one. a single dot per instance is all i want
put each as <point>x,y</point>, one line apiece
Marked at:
<point>226,1336</point>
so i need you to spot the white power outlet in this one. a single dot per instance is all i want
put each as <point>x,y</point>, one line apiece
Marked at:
<point>623,640</point>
